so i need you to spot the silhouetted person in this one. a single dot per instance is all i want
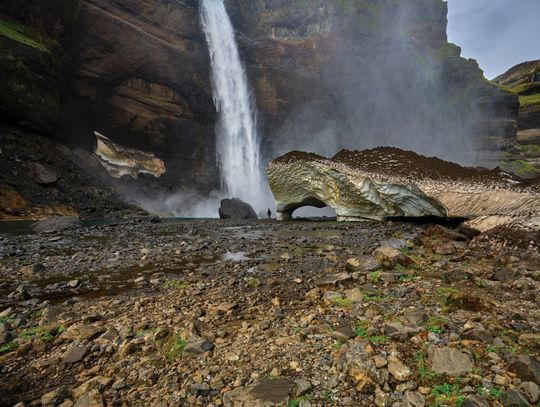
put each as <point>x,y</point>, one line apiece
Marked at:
<point>269,213</point>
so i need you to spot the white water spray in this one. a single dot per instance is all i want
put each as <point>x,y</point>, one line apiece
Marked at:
<point>237,139</point>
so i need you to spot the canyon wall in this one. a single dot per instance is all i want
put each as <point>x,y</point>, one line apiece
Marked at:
<point>326,75</point>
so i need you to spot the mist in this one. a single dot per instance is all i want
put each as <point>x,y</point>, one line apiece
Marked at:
<point>383,89</point>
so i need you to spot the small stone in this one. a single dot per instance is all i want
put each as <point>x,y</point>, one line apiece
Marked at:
<point>398,369</point>
<point>128,348</point>
<point>74,354</point>
<point>527,368</point>
<point>474,401</point>
<point>389,257</point>
<point>54,397</point>
<point>73,283</point>
<point>501,380</point>
<point>514,398</point>
<point>334,279</point>
<point>91,399</point>
<point>198,347</point>
<point>303,386</point>
<point>268,393</point>
<point>355,295</point>
<point>380,361</point>
<point>450,361</point>
<point>414,399</point>
<point>343,333</point>
<point>531,391</point>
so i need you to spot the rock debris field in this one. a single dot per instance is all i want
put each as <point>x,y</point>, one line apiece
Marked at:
<point>259,313</point>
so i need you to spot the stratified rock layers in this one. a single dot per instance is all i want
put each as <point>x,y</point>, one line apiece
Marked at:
<point>384,183</point>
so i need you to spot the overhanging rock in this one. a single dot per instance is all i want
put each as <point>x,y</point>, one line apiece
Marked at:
<point>385,183</point>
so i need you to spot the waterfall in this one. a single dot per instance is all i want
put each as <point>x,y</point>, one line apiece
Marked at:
<point>237,141</point>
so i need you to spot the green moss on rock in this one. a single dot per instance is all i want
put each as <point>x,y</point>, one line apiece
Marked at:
<point>18,33</point>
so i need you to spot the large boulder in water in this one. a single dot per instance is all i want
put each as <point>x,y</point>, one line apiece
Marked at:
<point>56,224</point>
<point>386,183</point>
<point>236,209</point>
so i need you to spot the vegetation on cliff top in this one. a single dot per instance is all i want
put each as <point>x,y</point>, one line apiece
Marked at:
<point>19,33</point>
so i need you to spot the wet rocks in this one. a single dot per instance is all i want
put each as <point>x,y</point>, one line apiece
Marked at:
<point>451,361</point>
<point>236,209</point>
<point>56,224</point>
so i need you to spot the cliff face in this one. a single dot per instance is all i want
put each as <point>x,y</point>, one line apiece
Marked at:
<point>356,74</point>
<point>326,75</point>
<point>524,81</point>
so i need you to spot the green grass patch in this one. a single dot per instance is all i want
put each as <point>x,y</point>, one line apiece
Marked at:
<point>8,347</point>
<point>374,276</point>
<point>529,100</point>
<point>296,401</point>
<point>145,331</point>
<point>531,150</point>
<point>519,167</point>
<point>425,374</point>
<point>443,394</point>
<point>19,33</point>
<point>341,302</point>
<point>361,332</point>
<point>36,333</point>
<point>173,347</point>
<point>175,284</point>
<point>436,324</point>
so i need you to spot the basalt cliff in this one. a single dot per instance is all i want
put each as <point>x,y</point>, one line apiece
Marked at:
<point>325,75</point>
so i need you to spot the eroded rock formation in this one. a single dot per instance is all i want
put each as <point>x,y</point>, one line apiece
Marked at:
<point>119,160</point>
<point>384,183</point>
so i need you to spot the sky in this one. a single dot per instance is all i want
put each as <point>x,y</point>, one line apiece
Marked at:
<point>497,33</point>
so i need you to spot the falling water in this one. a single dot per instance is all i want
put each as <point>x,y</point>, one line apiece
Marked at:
<point>237,139</point>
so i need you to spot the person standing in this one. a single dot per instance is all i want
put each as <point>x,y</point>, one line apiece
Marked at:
<point>269,213</point>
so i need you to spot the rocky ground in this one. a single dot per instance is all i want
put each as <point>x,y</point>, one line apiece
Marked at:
<point>223,313</point>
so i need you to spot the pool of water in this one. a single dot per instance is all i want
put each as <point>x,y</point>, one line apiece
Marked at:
<point>22,227</point>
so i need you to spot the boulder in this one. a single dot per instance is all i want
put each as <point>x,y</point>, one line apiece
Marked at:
<point>267,393</point>
<point>527,368</point>
<point>56,224</point>
<point>43,175</point>
<point>450,361</point>
<point>236,209</point>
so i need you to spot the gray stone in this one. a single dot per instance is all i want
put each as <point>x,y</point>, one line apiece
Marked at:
<point>198,347</point>
<point>413,399</point>
<point>303,386</point>
<point>514,398</point>
<point>398,369</point>
<point>75,353</point>
<point>416,316</point>
<point>530,390</point>
<point>42,174</point>
<point>236,209</point>
<point>334,279</point>
<point>474,401</point>
<point>343,333</point>
<point>450,361</point>
<point>397,331</point>
<point>267,393</point>
<point>527,368</point>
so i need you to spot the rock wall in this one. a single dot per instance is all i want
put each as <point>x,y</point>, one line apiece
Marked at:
<point>326,75</point>
<point>524,81</point>
<point>356,74</point>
